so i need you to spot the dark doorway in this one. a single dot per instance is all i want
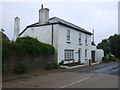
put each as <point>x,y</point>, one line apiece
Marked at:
<point>79,55</point>
<point>93,56</point>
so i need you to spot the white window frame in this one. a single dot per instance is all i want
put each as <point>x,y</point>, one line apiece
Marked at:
<point>86,38</point>
<point>80,39</point>
<point>86,53</point>
<point>69,54</point>
<point>68,35</point>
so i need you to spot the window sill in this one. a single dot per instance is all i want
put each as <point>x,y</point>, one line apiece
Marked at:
<point>68,41</point>
<point>86,44</point>
<point>85,59</point>
<point>80,44</point>
<point>69,59</point>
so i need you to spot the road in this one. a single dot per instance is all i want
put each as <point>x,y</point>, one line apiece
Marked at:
<point>98,76</point>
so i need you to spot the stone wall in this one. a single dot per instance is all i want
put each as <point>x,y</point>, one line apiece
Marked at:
<point>33,62</point>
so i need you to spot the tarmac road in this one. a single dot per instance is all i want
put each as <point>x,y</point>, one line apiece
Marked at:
<point>86,77</point>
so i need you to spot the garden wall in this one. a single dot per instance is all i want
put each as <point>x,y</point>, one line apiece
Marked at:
<point>33,62</point>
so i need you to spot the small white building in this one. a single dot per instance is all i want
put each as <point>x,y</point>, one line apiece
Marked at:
<point>72,43</point>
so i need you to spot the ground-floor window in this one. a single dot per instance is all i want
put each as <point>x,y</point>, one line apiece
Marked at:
<point>69,54</point>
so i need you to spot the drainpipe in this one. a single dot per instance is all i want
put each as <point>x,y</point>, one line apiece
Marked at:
<point>52,35</point>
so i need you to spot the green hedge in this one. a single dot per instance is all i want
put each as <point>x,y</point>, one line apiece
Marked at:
<point>26,45</point>
<point>29,45</point>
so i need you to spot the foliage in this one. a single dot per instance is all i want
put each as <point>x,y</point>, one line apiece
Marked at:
<point>29,45</point>
<point>26,45</point>
<point>111,45</point>
<point>4,37</point>
<point>21,67</point>
<point>108,58</point>
<point>115,45</point>
<point>105,46</point>
<point>54,65</point>
<point>5,46</point>
<point>49,66</point>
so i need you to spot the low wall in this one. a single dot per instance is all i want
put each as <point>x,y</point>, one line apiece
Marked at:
<point>33,62</point>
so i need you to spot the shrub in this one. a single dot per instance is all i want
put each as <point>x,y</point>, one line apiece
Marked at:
<point>49,66</point>
<point>108,59</point>
<point>21,67</point>
<point>111,58</point>
<point>105,59</point>
<point>29,45</point>
<point>52,66</point>
<point>56,65</point>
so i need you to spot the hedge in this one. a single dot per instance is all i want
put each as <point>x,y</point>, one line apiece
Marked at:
<point>26,45</point>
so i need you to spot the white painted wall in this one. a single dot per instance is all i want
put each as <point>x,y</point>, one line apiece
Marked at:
<point>44,34</point>
<point>62,44</point>
<point>99,54</point>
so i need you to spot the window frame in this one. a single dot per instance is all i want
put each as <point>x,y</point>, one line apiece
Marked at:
<point>86,53</point>
<point>86,38</point>
<point>69,54</point>
<point>80,38</point>
<point>68,35</point>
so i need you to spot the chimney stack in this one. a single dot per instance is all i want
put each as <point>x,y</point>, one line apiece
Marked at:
<point>43,15</point>
<point>16,27</point>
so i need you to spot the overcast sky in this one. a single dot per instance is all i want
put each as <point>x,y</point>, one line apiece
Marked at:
<point>100,16</point>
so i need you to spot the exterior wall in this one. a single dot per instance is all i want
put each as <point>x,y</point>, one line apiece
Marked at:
<point>43,34</point>
<point>74,39</point>
<point>99,55</point>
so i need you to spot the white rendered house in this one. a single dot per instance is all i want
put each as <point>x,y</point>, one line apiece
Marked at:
<point>72,43</point>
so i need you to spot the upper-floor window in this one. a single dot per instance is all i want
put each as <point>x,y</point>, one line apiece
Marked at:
<point>68,35</point>
<point>85,38</point>
<point>79,38</point>
<point>85,53</point>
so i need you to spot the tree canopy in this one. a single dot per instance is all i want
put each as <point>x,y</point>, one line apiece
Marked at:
<point>111,45</point>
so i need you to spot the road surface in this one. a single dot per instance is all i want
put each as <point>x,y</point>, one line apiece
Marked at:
<point>98,76</point>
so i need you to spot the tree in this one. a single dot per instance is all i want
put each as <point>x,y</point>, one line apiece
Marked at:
<point>105,46</point>
<point>111,45</point>
<point>115,44</point>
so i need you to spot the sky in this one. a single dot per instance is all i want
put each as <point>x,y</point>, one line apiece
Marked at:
<point>100,16</point>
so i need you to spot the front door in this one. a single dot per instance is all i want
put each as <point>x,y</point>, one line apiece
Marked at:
<point>79,55</point>
<point>93,56</point>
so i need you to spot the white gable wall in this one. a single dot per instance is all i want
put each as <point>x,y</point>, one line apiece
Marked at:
<point>43,34</point>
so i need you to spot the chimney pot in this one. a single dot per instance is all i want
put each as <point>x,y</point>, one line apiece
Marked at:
<point>41,6</point>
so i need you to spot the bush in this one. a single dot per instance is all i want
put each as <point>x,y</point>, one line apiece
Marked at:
<point>111,58</point>
<point>56,66</point>
<point>108,59</point>
<point>21,68</point>
<point>29,45</point>
<point>105,59</point>
<point>52,66</point>
<point>49,66</point>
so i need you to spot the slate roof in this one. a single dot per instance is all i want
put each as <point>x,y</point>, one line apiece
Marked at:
<point>56,20</point>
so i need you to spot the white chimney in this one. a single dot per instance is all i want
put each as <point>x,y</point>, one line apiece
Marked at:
<point>43,15</point>
<point>16,27</point>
